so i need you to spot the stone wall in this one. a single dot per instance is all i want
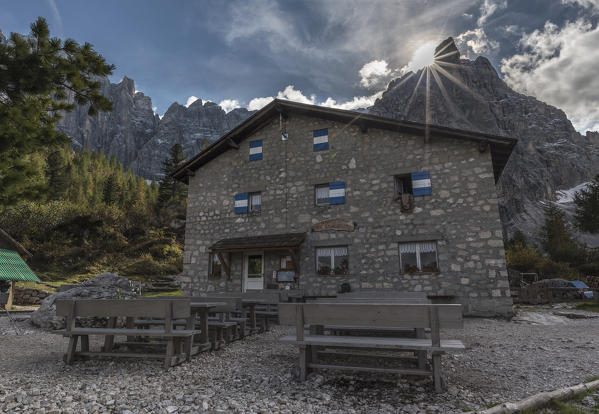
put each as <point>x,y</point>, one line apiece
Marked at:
<point>28,296</point>
<point>461,214</point>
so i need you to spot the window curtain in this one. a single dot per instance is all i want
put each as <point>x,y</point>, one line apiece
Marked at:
<point>340,251</point>
<point>407,247</point>
<point>323,252</point>
<point>428,247</point>
<point>322,192</point>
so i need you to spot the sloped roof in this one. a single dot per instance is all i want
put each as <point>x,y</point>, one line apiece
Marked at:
<point>501,147</point>
<point>12,267</point>
<point>273,241</point>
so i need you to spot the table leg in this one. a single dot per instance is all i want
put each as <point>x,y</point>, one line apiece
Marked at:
<point>204,339</point>
<point>253,327</point>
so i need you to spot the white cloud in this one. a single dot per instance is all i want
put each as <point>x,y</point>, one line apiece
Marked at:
<point>259,103</point>
<point>475,42</point>
<point>357,102</point>
<point>292,94</point>
<point>296,95</point>
<point>558,66</point>
<point>584,3</point>
<point>487,8</point>
<point>229,104</point>
<point>372,73</point>
<point>191,100</point>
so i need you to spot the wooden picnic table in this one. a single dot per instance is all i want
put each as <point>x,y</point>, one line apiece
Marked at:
<point>201,309</point>
<point>250,304</point>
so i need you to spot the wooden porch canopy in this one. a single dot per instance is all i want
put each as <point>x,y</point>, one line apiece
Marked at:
<point>288,242</point>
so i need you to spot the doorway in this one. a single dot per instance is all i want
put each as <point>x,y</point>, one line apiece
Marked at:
<point>253,271</point>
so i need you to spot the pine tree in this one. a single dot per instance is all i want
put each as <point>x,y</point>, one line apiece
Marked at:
<point>556,237</point>
<point>111,190</point>
<point>587,207</point>
<point>58,175</point>
<point>36,74</point>
<point>172,191</point>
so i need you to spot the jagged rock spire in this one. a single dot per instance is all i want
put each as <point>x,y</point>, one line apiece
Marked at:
<point>447,51</point>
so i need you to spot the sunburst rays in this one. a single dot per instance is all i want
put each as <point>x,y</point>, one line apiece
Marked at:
<point>436,74</point>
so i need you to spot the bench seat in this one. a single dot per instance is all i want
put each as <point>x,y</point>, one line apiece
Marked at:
<point>128,332</point>
<point>411,344</point>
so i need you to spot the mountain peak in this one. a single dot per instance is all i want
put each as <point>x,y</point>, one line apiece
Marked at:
<point>447,51</point>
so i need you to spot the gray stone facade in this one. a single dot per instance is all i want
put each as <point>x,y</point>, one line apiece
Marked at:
<point>461,214</point>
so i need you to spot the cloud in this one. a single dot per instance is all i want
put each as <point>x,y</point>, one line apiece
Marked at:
<point>358,102</point>
<point>191,100</point>
<point>259,103</point>
<point>584,3</point>
<point>422,56</point>
<point>292,94</point>
<point>296,95</point>
<point>558,66</point>
<point>56,14</point>
<point>475,42</point>
<point>229,104</point>
<point>487,8</point>
<point>372,73</point>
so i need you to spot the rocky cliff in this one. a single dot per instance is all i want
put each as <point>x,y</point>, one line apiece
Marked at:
<point>140,138</point>
<point>550,154</point>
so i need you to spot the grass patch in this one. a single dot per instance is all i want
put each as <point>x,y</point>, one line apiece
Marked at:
<point>156,294</point>
<point>588,306</point>
<point>591,379</point>
<point>564,408</point>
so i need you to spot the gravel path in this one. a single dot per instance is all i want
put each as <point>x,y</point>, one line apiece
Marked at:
<point>505,361</point>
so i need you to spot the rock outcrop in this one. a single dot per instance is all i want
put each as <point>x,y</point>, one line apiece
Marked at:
<point>137,136</point>
<point>465,94</point>
<point>103,286</point>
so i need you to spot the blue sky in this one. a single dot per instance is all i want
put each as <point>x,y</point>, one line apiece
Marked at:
<point>336,52</point>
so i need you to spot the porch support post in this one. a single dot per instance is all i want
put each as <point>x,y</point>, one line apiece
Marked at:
<point>226,263</point>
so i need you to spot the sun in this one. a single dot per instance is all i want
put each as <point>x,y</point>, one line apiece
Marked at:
<point>423,56</point>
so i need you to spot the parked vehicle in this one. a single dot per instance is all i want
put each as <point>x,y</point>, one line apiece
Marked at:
<point>582,290</point>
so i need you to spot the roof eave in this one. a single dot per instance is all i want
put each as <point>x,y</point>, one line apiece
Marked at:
<point>257,120</point>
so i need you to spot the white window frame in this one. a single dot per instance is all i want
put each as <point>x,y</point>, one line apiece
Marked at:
<point>418,260</point>
<point>332,256</point>
<point>316,187</point>
<point>251,205</point>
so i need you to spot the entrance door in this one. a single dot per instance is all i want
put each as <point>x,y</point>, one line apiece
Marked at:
<point>253,271</point>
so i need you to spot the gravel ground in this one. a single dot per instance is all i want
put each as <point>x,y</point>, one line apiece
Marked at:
<point>504,361</point>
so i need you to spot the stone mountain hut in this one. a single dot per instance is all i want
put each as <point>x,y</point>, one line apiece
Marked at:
<point>325,200</point>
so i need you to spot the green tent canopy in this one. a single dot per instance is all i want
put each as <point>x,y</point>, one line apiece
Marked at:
<point>12,267</point>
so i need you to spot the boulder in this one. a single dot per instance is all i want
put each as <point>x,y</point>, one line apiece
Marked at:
<point>103,286</point>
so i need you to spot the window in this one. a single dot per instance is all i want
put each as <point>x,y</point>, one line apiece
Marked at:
<point>321,139</point>
<point>332,261</point>
<point>403,184</point>
<point>329,193</point>
<point>322,194</point>
<point>418,257</point>
<point>286,263</point>
<point>255,150</point>
<point>215,267</point>
<point>255,202</point>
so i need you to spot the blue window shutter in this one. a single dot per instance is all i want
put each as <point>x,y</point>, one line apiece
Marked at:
<point>337,192</point>
<point>255,150</point>
<point>321,139</point>
<point>241,203</point>
<point>421,183</point>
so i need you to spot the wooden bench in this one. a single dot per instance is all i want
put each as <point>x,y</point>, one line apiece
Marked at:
<point>372,316</point>
<point>178,341</point>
